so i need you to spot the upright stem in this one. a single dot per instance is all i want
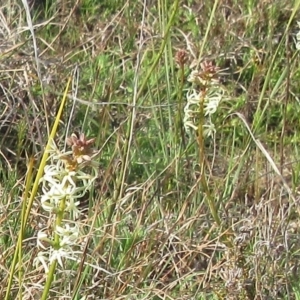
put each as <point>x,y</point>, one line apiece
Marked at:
<point>209,199</point>
<point>58,221</point>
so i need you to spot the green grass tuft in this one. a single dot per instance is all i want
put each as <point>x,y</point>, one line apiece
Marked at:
<point>149,229</point>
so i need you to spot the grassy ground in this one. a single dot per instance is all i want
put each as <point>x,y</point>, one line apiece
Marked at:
<point>172,214</point>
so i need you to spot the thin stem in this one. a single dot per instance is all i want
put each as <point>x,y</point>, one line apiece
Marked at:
<point>210,201</point>
<point>49,280</point>
<point>56,245</point>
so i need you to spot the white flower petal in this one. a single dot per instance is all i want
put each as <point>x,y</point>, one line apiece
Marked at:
<point>40,237</point>
<point>43,259</point>
<point>58,255</point>
<point>68,235</point>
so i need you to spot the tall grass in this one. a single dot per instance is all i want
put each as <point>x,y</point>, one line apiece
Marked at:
<point>173,214</point>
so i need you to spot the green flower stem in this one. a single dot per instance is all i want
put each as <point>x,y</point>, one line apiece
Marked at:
<point>179,123</point>
<point>209,200</point>
<point>49,280</point>
<point>56,246</point>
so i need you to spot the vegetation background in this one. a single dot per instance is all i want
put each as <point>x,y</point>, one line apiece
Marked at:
<point>148,231</point>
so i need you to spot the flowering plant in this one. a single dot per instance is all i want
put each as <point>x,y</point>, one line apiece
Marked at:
<point>67,177</point>
<point>203,101</point>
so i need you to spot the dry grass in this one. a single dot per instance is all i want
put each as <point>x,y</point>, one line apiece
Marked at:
<point>147,231</point>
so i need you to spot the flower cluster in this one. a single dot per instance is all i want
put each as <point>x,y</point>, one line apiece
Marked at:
<point>66,179</point>
<point>204,99</point>
<point>181,58</point>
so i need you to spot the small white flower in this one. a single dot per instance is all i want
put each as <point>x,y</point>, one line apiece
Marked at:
<point>193,97</point>
<point>193,76</point>
<point>72,207</point>
<point>87,179</point>
<point>50,200</point>
<point>209,129</point>
<point>69,235</point>
<point>212,104</point>
<point>298,41</point>
<point>47,205</point>
<point>58,254</point>
<point>298,37</point>
<point>190,124</point>
<point>50,175</point>
<point>41,236</point>
<point>68,178</point>
<point>43,259</point>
